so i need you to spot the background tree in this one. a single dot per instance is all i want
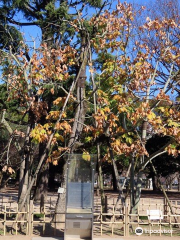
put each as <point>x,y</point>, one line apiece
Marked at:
<point>165,164</point>
<point>142,87</point>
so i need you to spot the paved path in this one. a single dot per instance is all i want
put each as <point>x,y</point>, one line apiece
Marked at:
<point>22,237</point>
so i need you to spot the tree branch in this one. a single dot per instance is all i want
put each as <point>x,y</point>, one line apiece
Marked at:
<point>155,154</point>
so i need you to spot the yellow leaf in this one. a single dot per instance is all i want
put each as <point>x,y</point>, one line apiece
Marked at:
<point>107,109</point>
<point>59,137</point>
<point>158,120</point>
<point>57,101</point>
<point>86,156</point>
<point>151,116</point>
<point>161,109</point>
<point>64,115</point>
<point>138,64</point>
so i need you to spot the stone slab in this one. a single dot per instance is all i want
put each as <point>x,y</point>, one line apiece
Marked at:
<point>48,238</point>
<point>61,238</point>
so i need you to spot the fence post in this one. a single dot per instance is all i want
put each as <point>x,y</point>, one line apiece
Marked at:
<point>125,221</point>
<point>30,216</point>
<point>106,203</point>
<point>5,220</point>
<point>165,208</point>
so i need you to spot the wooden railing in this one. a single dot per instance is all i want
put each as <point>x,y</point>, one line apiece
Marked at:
<point>112,222</point>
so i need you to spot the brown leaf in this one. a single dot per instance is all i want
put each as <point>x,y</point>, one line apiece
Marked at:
<point>10,170</point>
<point>5,168</point>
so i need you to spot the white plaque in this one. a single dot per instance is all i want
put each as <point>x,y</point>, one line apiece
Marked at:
<point>60,190</point>
<point>154,214</point>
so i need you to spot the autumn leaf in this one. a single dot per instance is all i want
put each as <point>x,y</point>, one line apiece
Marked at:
<point>59,137</point>
<point>10,170</point>
<point>151,116</point>
<point>86,156</point>
<point>55,162</point>
<point>91,70</point>
<point>40,91</point>
<point>88,139</point>
<point>4,169</point>
<point>52,91</point>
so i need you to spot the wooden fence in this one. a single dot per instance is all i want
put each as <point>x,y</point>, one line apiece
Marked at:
<point>112,222</point>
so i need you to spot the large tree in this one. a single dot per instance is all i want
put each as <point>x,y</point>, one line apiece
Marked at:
<point>59,30</point>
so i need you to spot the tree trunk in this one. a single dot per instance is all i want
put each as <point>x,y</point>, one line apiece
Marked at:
<point>154,183</point>
<point>61,203</point>
<point>140,173</point>
<point>51,183</point>
<point>114,182</point>
<point>21,175</point>
<point>42,179</point>
<point>42,187</point>
<point>1,178</point>
<point>121,194</point>
<point>25,168</point>
<point>137,193</point>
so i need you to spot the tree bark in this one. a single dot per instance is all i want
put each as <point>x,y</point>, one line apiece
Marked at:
<point>42,187</point>
<point>1,178</point>
<point>140,173</point>
<point>42,179</point>
<point>51,182</point>
<point>25,168</point>
<point>114,182</point>
<point>154,183</point>
<point>121,194</point>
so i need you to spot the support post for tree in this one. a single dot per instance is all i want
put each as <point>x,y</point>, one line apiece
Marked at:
<point>132,183</point>
<point>165,208</point>
<point>30,217</point>
<point>106,205</point>
<point>101,186</point>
